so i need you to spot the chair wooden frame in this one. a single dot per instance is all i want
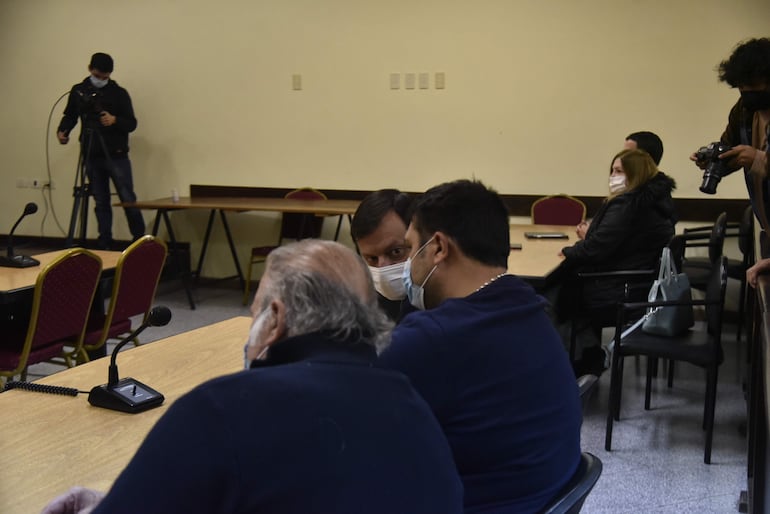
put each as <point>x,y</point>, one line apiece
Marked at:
<point>259,253</point>
<point>554,219</point>
<point>104,327</point>
<point>57,338</point>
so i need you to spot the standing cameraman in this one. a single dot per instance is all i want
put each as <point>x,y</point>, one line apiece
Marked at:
<point>748,69</point>
<point>107,117</point>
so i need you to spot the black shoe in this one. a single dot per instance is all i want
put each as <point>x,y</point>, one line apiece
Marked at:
<point>104,244</point>
<point>593,361</point>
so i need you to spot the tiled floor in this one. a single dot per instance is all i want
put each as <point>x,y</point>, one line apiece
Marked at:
<point>656,465</point>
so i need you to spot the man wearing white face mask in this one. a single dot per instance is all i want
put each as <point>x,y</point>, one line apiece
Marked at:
<point>484,355</point>
<point>313,426</point>
<point>107,116</point>
<point>378,229</point>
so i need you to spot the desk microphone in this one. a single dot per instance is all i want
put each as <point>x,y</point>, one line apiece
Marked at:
<point>19,261</point>
<point>129,395</point>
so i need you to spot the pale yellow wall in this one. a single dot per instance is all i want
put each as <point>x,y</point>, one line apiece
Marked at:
<point>539,93</point>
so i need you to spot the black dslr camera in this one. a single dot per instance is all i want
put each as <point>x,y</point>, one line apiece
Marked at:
<point>716,168</point>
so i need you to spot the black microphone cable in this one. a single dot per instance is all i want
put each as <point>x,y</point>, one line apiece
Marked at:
<point>47,188</point>
<point>42,388</point>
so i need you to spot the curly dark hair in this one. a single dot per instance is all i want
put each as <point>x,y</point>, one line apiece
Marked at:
<point>748,65</point>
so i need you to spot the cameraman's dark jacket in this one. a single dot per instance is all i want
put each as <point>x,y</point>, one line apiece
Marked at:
<point>627,233</point>
<point>745,128</point>
<point>86,102</point>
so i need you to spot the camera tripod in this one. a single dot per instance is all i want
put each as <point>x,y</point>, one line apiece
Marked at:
<point>81,190</point>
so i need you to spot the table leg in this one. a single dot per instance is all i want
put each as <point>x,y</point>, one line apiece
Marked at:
<point>232,248</point>
<point>205,244</point>
<point>174,248</point>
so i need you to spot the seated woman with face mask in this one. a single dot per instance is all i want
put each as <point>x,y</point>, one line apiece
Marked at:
<point>628,232</point>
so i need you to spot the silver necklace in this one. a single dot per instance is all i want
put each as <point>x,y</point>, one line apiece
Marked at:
<point>485,284</point>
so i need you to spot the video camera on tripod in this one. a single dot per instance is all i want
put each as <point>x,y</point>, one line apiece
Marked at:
<point>89,103</point>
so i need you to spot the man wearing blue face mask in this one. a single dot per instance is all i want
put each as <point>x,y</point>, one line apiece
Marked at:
<point>378,229</point>
<point>748,69</point>
<point>483,353</point>
<point>107,117</point>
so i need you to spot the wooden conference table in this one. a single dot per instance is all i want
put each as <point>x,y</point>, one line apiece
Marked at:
<point>50,443</point>
<point>538,258</point>
<point>18,282</point>
<point>237,204</point>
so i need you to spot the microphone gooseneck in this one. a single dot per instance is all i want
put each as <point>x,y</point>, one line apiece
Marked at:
<point>30,208</point>
<point>157,317</point>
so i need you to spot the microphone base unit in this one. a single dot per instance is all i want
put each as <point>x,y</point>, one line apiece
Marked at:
<point>18,261</point>
<point>128,395</point>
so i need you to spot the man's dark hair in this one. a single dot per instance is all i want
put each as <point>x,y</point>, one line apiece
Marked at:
<point>101,62</point>
<point>471,214</point>
<point>375,206</point>
<point>650,143</point>
<point>748,65</point>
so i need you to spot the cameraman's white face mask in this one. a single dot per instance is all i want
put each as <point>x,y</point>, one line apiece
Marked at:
<point>617,183</point>
<point>98,83</point>
<point>388,281</point>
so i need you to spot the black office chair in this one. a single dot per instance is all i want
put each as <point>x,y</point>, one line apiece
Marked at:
<point>702,348</point>
<point>572,496</point>
<point>631,285</point>
<point>698,269</point>
<point>586,386</point>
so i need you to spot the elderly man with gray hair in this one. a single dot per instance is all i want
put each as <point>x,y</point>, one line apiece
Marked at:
<point>311,426</point>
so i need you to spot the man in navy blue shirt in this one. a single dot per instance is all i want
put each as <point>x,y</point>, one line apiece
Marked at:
<point>484,355</point>
<point>312,426</point>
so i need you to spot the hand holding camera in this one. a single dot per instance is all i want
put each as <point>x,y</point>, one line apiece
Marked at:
<point>106,119</point>
<point>709,159</point>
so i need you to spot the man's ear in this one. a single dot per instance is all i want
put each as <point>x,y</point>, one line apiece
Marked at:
<point>444,247</point>
<point>276,328</point>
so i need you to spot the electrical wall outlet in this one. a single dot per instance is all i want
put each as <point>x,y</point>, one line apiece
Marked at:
<point>33,183</point>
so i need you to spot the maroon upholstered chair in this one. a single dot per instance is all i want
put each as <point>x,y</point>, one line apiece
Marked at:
<point>558,210</point>
<point>61,302</point>
<point>294,226</point>
<point>136,279</point>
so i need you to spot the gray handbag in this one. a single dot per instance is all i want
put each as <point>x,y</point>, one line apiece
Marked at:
<point>669,286</point>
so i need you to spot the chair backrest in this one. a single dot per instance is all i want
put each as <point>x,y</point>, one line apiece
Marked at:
<point>301,226</point>
<point>677,245</point>
<point>715,296</point>
<point>558,210</point>
<point>572,496</point>
<point>64,292</point>
<point>717,238</point>
<point>746,232</point>
<point>136,279</point>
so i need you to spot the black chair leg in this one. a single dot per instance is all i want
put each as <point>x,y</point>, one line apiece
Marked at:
<point>671,373</point>
<point>651,363</point>
<point>741,308</point>
<point>572,340</point>
<point>614,397</point>
<point>711,397</point>
<point>621,367</point>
